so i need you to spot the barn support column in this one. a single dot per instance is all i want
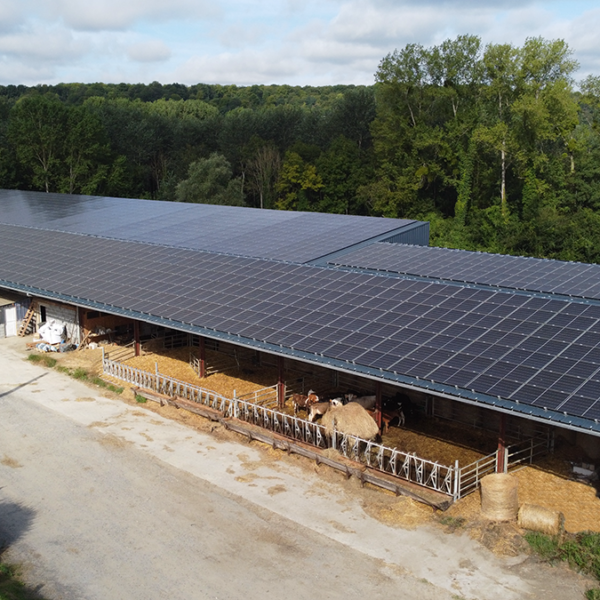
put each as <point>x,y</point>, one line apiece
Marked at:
<point>136,337</point>
<point>501,454</point>
<point>429,406</point>
<point>281,382</point>
<point>378,404</point>
<point>202,366</point>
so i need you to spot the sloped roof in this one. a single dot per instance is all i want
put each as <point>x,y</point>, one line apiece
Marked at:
<point>280,235</point>
<point>536,354</point>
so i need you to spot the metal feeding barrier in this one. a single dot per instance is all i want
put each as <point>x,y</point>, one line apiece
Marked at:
<point>256,408</point>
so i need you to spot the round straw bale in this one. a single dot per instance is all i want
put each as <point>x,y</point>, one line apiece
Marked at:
<point>538,518</point>
<point>499,497</point>
<point>351,419</point>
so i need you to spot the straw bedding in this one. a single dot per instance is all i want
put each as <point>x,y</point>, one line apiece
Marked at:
<point>175,363</point>
<point>548,488</point>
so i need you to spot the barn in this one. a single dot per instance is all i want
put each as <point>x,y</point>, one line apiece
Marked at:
<point>508,344</point>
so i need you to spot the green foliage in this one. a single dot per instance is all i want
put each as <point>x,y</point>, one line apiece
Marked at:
<point>490,143</point>
<point>79,373</point>
<point>11,587</point>
<point>298,184</point>
<point>210,182</point>
<point>581,551</point>
<point>48,361</point>
<point>140,399</point>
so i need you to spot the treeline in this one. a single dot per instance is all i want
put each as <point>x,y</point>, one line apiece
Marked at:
<point>494,145</point>
<point>296,148</point>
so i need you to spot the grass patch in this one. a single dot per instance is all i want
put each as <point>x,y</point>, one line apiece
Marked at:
<point>99,382</point>
<point>64,370</point>
<point>453,523</point>
<point>11,588</point>
<point>49,361</point>
<point>581,551</point>
<point>80,373</point>
<point>140,399</point>
<point>40,358</point>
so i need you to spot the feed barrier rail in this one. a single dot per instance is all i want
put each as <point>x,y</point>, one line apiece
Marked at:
<point>403,465</point>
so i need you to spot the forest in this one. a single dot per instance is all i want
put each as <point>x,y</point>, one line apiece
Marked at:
<point>497,146</point>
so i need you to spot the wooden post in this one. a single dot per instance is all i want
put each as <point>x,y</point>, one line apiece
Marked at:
<point>202,373</point>
<point>136,337</point>
<point>501,454</point>
<point>378,404</point>
<point>281,382</point>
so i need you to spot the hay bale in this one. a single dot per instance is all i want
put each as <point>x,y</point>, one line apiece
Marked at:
<point>499,497</point>
<point>351,419</point>
<point>538,518</point>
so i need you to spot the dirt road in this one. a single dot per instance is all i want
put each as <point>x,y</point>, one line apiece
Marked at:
<point>99,499</point>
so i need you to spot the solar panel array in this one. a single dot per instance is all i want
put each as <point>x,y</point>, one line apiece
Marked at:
<point>537,351</point>
<point>280,235</point>
<point>515,272</point>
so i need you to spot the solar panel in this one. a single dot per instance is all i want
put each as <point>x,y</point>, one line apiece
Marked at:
<point>514,272</point>
<point>281,235</point>
<point>520,355</point>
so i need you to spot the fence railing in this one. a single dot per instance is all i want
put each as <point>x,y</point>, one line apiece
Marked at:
<point>470,476</point>
<point>256,408</point>
<point>266,396</point>
<point>402,465</point>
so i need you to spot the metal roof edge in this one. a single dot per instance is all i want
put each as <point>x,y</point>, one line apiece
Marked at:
<point>409,226</point>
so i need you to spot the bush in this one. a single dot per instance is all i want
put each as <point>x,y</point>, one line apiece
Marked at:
<point>34,358</point>
<point>140,399</point>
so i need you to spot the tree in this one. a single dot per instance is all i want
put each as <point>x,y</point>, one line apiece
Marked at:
<point>37,131</point>
<point>263,170</point>
<point>210,182</point>
<point>298,184</point>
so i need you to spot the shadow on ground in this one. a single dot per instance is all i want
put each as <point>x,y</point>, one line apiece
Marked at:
<point>15,520</point>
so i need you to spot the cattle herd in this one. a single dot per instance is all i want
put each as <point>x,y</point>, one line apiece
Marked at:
<point>351,411</point>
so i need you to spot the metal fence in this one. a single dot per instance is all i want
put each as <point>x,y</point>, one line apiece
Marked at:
<point>256,408</point>
<point>469,477</point>
<point>403,465</point>
<point>264,397</point>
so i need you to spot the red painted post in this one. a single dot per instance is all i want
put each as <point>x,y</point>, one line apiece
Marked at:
<point>202,373</point>
<point>281,383</point>
<point>378,404</point>
<point>501,455</point>
<point>136,338</point>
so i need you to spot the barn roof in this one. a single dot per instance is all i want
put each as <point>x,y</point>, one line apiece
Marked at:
<point>494,270</point>
<point>532,353</point>
<point>282,235</point>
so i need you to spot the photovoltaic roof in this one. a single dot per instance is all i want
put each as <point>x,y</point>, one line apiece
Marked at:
<point>515,272</point>
<point>534,353</point>
<point>281,235</point>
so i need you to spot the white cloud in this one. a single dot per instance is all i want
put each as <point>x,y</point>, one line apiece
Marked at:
<point>304,42</point>
<point>100,15</point>
<point>55,44</point>
<point>149,51</point>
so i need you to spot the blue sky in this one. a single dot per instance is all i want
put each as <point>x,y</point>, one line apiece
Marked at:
<point>298,42</point>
